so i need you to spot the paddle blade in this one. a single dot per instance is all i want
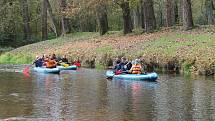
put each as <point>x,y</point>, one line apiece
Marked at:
<point>26,70</point>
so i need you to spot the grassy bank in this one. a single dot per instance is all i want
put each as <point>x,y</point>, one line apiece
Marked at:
<point>168,49</point>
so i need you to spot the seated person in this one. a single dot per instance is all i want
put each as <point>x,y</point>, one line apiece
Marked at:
<point>136,67</point>
<point>38,62</point>
<point>51,63</point>
<point>64,60</point>
<point>128,65</point>
<point>77,63</point>
<point>116,64</point>
<point>53,57</point>
<point>121,67</point>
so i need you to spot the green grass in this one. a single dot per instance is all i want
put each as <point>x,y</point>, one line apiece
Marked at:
<point>15,59</point>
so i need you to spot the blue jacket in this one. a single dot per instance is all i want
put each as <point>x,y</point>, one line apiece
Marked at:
<point>38,63</point>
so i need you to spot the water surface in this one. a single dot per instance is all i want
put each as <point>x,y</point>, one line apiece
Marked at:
<point>85,95</point>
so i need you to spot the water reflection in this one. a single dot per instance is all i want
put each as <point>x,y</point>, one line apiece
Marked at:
<point>15,95</point>
<point>86,95</point>
<point>135,98</point>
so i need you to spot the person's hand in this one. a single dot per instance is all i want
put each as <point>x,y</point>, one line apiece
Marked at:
<point>125,66</point>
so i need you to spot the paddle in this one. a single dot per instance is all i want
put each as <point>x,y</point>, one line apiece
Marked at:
<point>26,69</point>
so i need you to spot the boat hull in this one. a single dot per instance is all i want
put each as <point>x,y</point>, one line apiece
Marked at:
<point>47,70</point>
<point>73,67</point>
<point>141,77</point>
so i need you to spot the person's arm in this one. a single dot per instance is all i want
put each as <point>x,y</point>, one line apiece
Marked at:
<point>34,62</point>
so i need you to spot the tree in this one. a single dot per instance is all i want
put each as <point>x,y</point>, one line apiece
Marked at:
<point>180,12</point>
<point>101,13</point>
<point>64,19</point>
<point>137,15</point>
<point>127,23</point>
<point>149,16</point>
<point>26,19</point>
<point>209,12</point>
<point>142,14</point>
<point>53,19</point>
<point>44,20</point>
<point>187,15</point>
<point>170,13</point>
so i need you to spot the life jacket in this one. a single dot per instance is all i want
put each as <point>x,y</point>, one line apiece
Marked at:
<point>50,64</point>
<point>136,69</point>
<point>77,63</point>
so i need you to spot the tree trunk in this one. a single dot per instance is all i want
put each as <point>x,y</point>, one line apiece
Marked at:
<point>160,20</point>
<point>209,11</point>
<point>170,13</point>
<point>187,15</point>
<point>137,17</point>
<point>142,13</point>
<point>149,16</point>
<point>53,19</point>
<point>64,20</point>
<point>176,12</point>
<point>180,12</point>
<point>102,19</point>
<point>126,17</point>
<point>44,21</point>
<point>26,20</point>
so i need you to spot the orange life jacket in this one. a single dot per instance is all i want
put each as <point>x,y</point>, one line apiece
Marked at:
<point>50,64</point>
<point>136,69</point>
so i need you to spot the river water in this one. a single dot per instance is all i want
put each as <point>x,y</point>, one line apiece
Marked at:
<point>85,95</point>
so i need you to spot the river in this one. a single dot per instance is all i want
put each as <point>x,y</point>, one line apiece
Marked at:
<point>85,95</point>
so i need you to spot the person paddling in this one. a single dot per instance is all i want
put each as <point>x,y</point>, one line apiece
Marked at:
<point>136,67</point>
<point>38,62</point>
<point>121,66</point>
<point>65,60</point>
<point>50,63</point>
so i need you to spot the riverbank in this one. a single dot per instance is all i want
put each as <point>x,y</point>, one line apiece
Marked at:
<point>191,52</point>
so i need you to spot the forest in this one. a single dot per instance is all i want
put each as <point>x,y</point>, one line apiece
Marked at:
<point>28,21</point>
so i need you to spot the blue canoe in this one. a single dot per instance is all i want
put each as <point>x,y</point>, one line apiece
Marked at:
<point>141,77</point>
<point>47,70</point>
<point>73,67</point>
